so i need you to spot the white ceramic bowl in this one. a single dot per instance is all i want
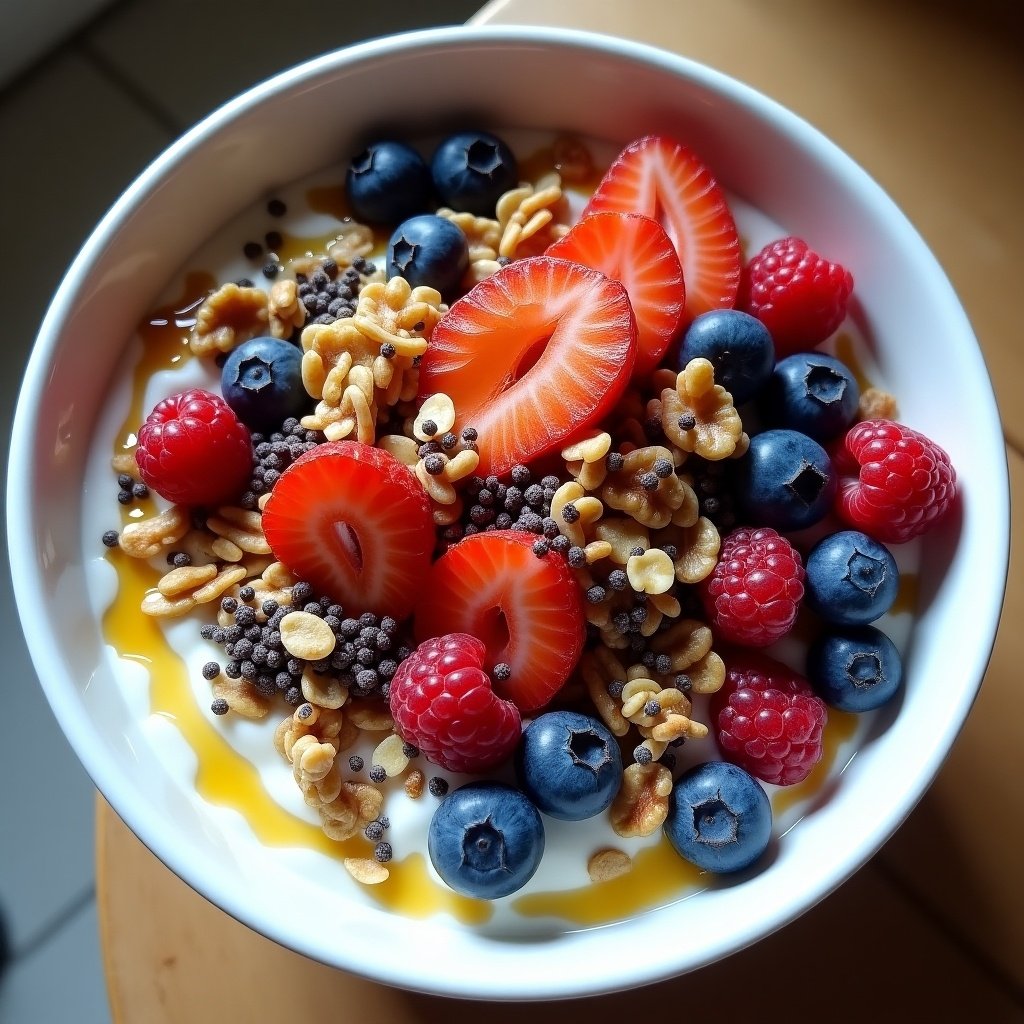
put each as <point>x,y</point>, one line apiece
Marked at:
<point>507,78</point>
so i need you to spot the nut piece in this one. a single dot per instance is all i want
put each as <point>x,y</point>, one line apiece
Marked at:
<point>572,160</point>
<point>307,636</point>
<point>228,317</point>
<point>366,870</point>
<point>651,573</point>
<point>285,310</point>
<point>698,415</point>
<point>149,537</point>
<point>642,493</point>
<point>525,212</point>
<point>876,404</point>
<point>398,314</point>
<point>414,783</point>
<point>641,805</point>
<point>439,410</point>
<point>390,755</point>
<point>370,715</point>
<point>606,864</point>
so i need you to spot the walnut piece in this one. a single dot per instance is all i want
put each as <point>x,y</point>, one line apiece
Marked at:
<point>641,805</point>
<point>286,312</point>
<point>698,415</point>
<point>648,489</point>
<point>231,315</point>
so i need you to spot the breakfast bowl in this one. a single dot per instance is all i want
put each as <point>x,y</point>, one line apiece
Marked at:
<point>209,794</point>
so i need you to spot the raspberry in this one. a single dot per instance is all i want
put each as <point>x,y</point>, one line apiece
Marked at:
<point>895,483</point>
<point>799,296</point>
<point>442,701</point>
<point>767,720</point>
<point>753,595</point>
<point>193,450</point>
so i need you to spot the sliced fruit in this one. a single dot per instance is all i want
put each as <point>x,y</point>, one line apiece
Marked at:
<point>661,178</point>
<point>532,355</point>
<point>355,523</point>
<point>636,251</point>
<point>528,611</point>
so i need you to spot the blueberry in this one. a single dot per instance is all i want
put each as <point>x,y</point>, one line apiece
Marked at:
<point>813,393</point>
<point>786,480</point>
<point>854,668</point>
<point>472,170</point>
<point>262,382</point>
<point>739,347</point>
<point>387,182</point>
<point>569,765</point>
<point>851,578</point>
<point>428,250</point>
<point>719,817</point>
<point>485,840</point>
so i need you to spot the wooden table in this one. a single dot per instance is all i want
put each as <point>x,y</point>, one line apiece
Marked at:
<point>929,97</point>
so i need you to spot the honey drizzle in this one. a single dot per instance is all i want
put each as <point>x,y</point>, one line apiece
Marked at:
<point>841,725</point>
<point>658,876</point>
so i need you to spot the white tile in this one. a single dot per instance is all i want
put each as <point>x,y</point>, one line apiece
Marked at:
<point>191,55</point>
<point>60,982</point>
<point>80,142</point>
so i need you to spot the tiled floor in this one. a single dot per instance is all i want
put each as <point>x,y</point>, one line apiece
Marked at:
<point>74,130</point>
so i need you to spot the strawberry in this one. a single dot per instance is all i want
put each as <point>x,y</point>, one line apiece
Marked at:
<point>636,251</point>
<point>532,355</point>
<point>528,611</point>
<point>661,178</point>
<point>355,523</point>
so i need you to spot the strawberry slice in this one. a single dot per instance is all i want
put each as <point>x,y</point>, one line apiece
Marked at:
<point>635,250</point>
<point>528,611</point>
<point>531,355</point>
<point>661,178</point>
<point>355,523</point>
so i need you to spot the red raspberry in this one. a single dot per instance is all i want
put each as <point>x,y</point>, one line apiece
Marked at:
<point>442,702</point>
<point>894,483</point>
<point>767,719</point>
<point>193,450</point>
<point>754,592</point>
<point>799,296</point>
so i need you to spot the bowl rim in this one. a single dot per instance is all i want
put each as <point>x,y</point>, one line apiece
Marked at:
<point>147,824</point>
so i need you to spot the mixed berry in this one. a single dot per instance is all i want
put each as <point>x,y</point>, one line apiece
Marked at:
<point>532,499</point>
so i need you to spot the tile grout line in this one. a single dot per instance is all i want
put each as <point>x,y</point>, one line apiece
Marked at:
<point>53,926</point>
<point>993,971</point>
<point>128,87</point>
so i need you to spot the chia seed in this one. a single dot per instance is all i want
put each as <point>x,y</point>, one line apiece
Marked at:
<point>111,539</point>
<point>374,831</point>
<point>219,706</point>
<point>377,773</point>
<point>383,852</point>
<point>642,755</point>
<point>355,763</point>
<point>211,670</point>
<point>437,786</point>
